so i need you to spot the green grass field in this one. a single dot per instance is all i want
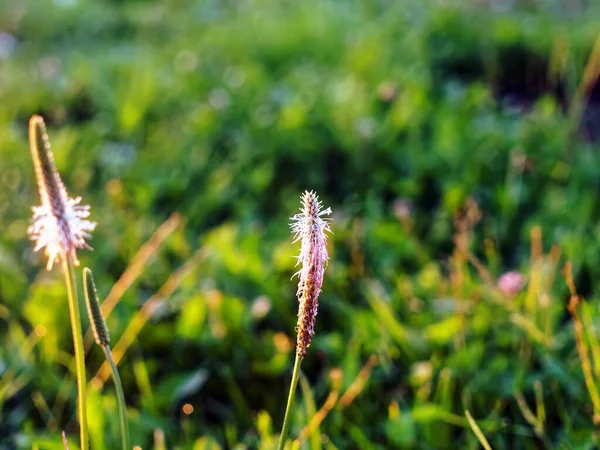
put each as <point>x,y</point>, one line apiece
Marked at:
<point>454,141</point>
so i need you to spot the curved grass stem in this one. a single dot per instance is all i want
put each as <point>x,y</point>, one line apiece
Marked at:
<point>286,420</point>
<point>69,272</point>
<point>120,398</point>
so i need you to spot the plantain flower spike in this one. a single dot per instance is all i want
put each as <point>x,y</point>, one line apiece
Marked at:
<point>310,228</point>
<point>97,320</point>
<point>59,224</point>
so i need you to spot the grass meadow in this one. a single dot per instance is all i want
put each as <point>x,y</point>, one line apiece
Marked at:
<point>457,144</point>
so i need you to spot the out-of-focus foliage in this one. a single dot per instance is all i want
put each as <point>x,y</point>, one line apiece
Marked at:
<point>440,133</point>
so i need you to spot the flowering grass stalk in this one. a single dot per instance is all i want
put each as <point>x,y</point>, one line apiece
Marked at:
<point>310,228</point>
<point>60,223</point>
<point>102,337</point>
<point>60,226</point>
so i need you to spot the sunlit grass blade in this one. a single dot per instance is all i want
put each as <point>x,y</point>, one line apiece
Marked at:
<point>136,267</point>
<point>334,398</point>
<point>581,343</point>
<point>311,410</point>
<point>159,440</point>
<point>480,436</point>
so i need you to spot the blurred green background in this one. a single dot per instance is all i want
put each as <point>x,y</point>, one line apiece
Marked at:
<point>453,140</point>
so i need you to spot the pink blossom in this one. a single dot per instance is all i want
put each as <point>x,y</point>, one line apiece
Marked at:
<point>511,283</point>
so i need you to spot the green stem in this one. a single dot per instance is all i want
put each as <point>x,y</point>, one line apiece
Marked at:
<point>120,398</point>
<point>286,420</point>
<point>69,272</point>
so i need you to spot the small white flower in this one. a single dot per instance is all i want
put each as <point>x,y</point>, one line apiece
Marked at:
<point>60,224</point>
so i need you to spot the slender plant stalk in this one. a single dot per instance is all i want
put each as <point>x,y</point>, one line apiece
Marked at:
<point>288,408</point>
<point>102,338</point>
<point>68,269</point>
<point>120,398</point>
